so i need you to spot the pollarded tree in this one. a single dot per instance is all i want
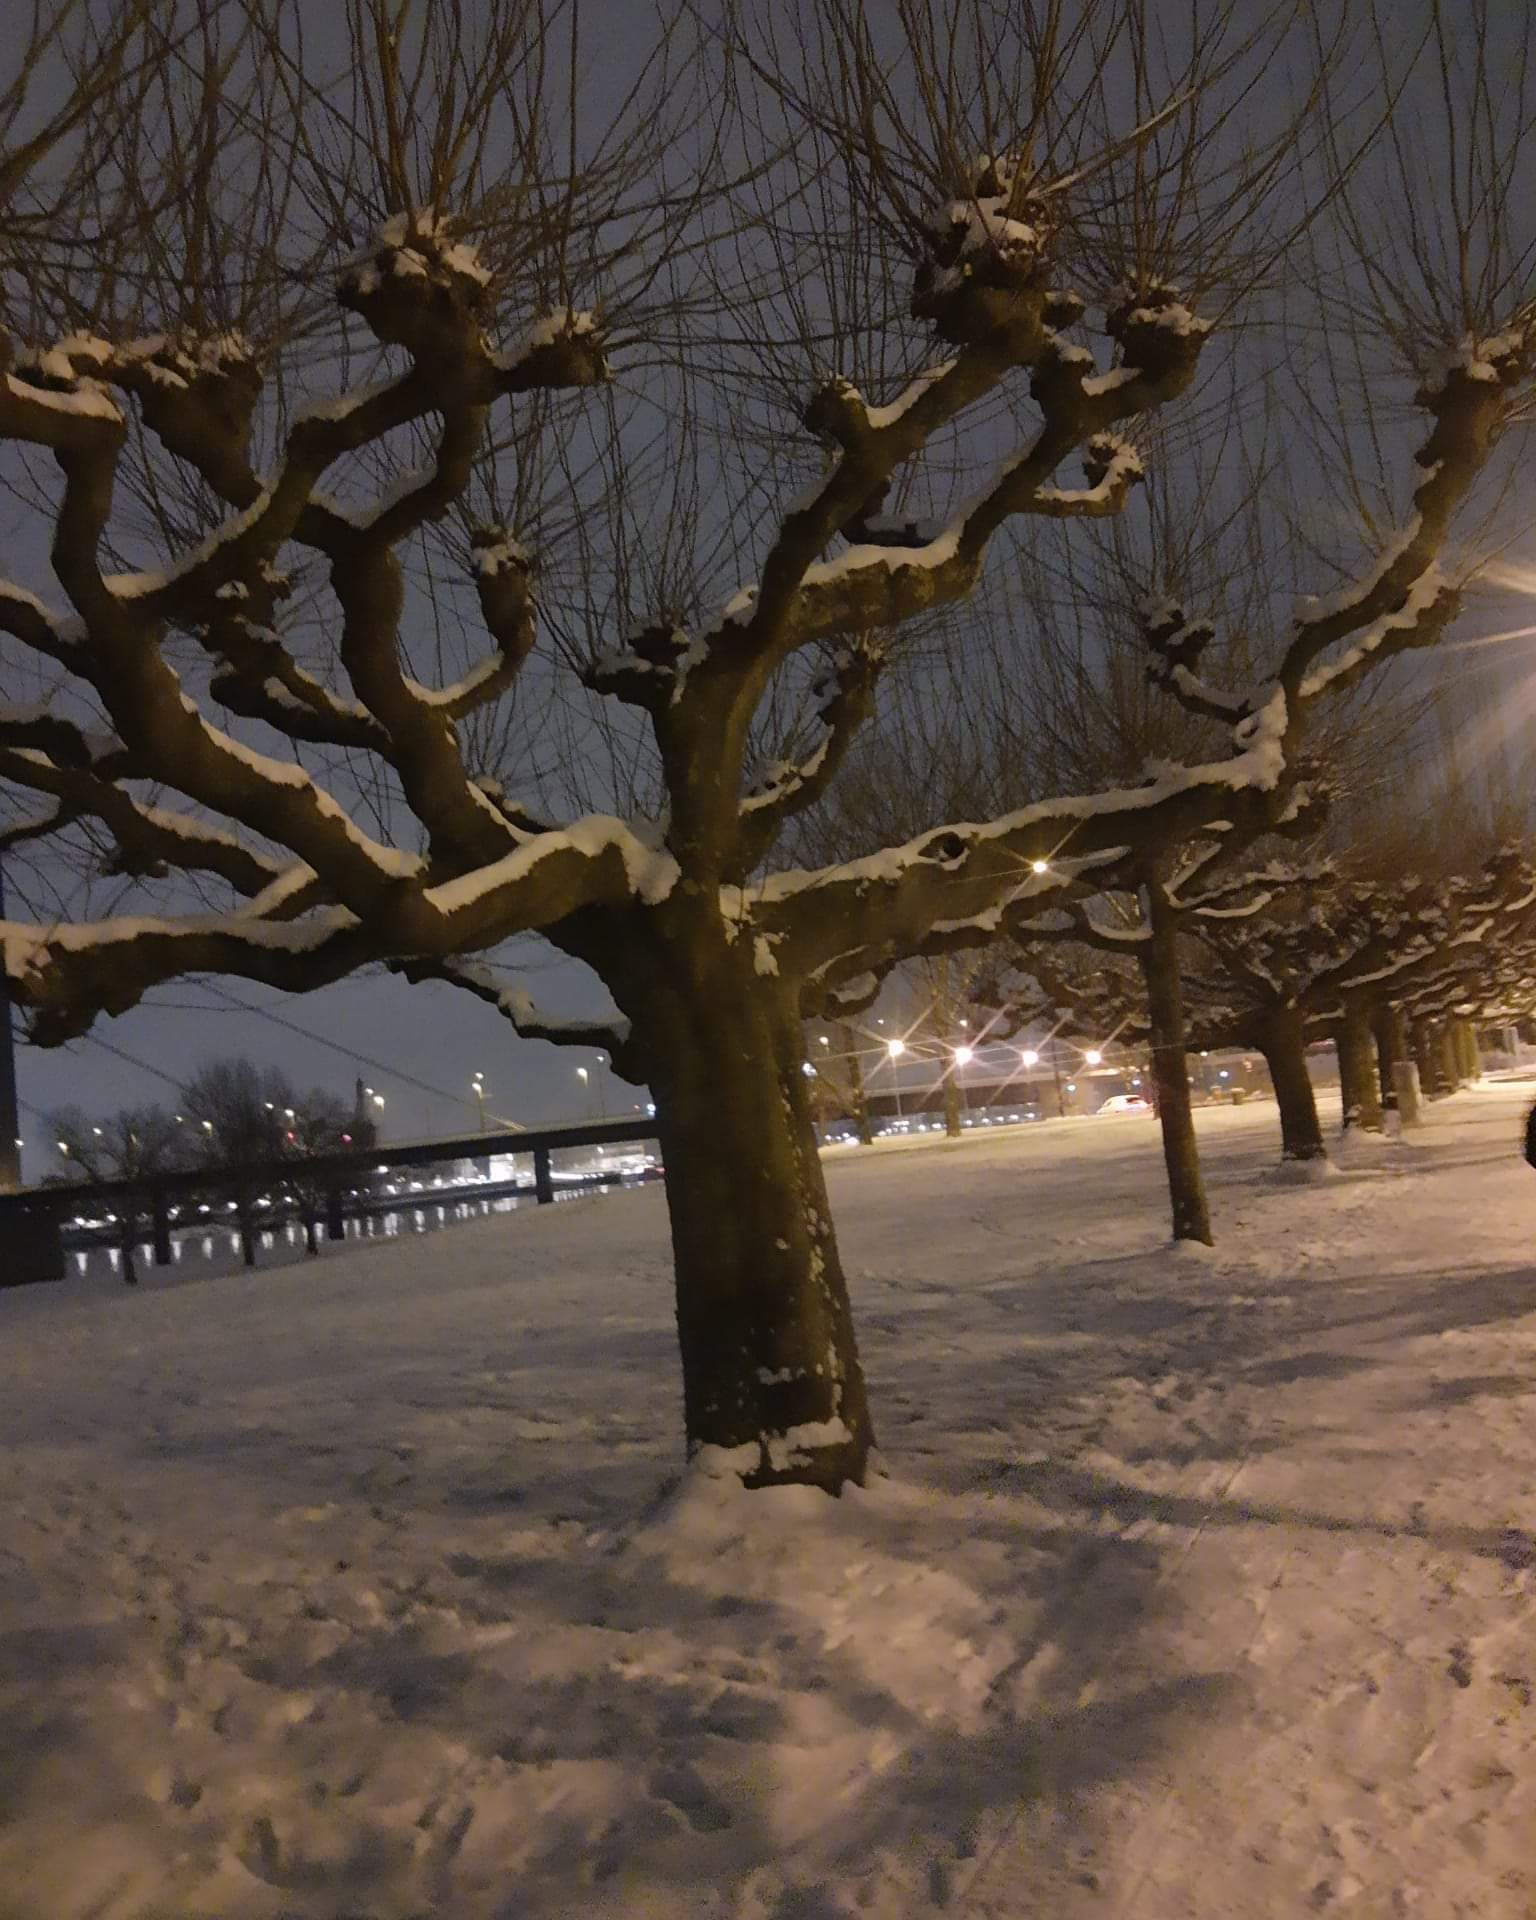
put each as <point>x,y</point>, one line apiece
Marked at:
<point>255,670</point>
<point>1307,957</point>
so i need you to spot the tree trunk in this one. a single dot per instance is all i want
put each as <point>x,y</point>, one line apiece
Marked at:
<point>1391,1043</point>
<point>860,1101</point>
<point>1283,1045</point>
<point>944,1009</point>
<point>1426,1058</point>
<point>952,1124</point>
<point>1469,1056</point>
<point>1170,1071</point>
<point>1359,1089</point>
<point>771,1371</point>
<point>1450,1070</point>
<point>1406,1076</point>
<point>311,1231</point>
<point>128,1241</point>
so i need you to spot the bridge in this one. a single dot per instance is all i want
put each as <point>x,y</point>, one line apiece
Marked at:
<point>325,1186</point>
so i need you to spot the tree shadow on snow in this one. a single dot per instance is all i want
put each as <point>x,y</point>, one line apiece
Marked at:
<point>1078,1487</point>
<point>652,1713</point>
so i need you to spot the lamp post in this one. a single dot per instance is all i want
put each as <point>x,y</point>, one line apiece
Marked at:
<point>478,1087</point>
<point>586,1085</point>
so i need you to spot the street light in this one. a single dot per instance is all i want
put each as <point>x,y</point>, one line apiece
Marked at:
<point>1039,866</point>
<point>1093,1057</point>
<point>894,1050</point>
<point>477,1087</point>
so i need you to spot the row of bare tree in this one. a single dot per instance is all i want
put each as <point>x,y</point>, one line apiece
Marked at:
<point>466,497</point>
<point>232,1118</point>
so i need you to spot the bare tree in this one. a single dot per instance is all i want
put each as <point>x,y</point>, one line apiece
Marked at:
<point>132,1144</point>
<point>938,205</point>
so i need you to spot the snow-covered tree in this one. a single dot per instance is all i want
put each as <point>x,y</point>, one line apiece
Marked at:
<point>269,707</point>
<point>1282,960</point>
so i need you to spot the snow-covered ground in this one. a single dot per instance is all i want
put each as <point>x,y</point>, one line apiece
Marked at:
<point>1200,1585</point>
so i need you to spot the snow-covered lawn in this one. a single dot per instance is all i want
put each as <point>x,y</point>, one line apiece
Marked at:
<point>1200,1585</point>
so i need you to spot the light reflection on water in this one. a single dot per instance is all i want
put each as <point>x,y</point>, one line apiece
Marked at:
<point>197,1254</point>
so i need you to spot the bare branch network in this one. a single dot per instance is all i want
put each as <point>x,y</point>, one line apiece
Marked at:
<point>341,898</point>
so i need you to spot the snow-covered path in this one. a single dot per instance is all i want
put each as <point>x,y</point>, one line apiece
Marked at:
<point>1201,1585</point>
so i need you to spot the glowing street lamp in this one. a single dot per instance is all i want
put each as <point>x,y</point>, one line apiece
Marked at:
<point>477,1087</point>
<point>1093,1057</point>
<point>1039,866</point>
<point>1029,1058</point>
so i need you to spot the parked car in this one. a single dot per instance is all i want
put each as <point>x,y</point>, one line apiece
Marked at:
<point>1126,1103</point>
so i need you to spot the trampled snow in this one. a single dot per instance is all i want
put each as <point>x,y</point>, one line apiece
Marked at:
<point>1197,1586</point>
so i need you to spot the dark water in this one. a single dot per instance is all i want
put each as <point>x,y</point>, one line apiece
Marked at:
<point>211,1246</point>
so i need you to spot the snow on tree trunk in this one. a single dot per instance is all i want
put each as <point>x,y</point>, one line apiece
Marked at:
<point>1405,1076</point>
<point>1285,1053</point>
<point>1170,1072</point>
<point>771,1374</point>
<point>1359,1088</point>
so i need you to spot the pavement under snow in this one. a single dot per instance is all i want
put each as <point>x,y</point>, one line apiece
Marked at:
<point>1200,1584</point>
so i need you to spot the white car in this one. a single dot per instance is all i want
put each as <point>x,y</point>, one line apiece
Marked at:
<point>1126,1103</point>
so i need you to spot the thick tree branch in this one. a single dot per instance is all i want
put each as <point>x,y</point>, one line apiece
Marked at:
<point>518,1006</point>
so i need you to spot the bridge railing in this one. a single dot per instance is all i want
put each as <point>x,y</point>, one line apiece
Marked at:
<point>31,1219</point>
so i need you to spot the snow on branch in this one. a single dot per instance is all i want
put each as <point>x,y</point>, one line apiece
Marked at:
<point>1177,644</point>
<point>149,839</point>
<point>64,976</point>
<point>1403,599</point>
<point>516,1004</point>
